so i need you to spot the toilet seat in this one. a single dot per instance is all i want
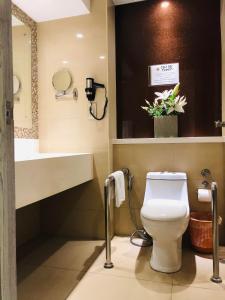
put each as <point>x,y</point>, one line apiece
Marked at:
<point>164,210</point>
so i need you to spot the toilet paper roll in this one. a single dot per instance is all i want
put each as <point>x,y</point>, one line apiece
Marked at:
<point>204,195</point>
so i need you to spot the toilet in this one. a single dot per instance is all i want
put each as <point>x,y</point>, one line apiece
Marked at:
<point>165,216</point>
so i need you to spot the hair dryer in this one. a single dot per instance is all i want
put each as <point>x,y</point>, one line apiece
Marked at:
<point>90,91</point>
<point>91,87</point>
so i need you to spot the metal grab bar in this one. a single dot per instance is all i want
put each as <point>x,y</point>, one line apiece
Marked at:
<point>107,196</point>
<point>216,272</point>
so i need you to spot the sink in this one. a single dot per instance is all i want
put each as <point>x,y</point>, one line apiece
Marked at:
<point>41,175</point>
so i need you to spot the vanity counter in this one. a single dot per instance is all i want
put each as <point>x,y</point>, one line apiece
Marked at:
<point>41,175</point>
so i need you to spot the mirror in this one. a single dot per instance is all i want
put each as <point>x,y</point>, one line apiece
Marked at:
<point>16,85</point>
<point>24,42</point>
<point>62,81</point>
<point>21,40</point>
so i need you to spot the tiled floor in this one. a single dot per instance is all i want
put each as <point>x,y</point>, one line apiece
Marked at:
<point>133,279</point>
<point>54,270</point>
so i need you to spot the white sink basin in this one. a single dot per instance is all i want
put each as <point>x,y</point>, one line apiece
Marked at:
<point>40,175</point>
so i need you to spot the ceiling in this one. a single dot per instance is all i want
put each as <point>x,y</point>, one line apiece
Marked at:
<point>119,2</point>
<point>46,10</point>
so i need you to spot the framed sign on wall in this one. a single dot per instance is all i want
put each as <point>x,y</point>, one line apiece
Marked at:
<point>166,74</point>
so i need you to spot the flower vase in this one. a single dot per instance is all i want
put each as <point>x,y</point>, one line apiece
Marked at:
<point>166,126</point>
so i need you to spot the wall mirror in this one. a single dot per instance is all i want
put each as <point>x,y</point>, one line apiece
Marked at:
<point>16,86</point>
<point>24,42</point>
<point>62,81</point>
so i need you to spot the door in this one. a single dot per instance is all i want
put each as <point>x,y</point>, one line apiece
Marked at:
<point>7,174</point>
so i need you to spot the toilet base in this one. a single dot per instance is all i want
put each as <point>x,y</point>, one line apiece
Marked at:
<point>166,256</point>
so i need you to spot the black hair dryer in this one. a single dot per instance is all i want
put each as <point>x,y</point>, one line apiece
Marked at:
<point>91,87</point>
<point>90,91</point>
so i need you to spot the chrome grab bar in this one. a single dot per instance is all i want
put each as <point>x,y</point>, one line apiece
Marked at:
<point>107,198</point>
<point>216,272</point>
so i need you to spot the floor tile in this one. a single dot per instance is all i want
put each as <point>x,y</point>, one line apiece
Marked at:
<point>129,261</point>
<point>192,293</point>
<point>55,270</point>
<point>45,283</point>
<point>65,254</point>
<point>197,270</point>
<point>54,267</point>
<point>101,287</point>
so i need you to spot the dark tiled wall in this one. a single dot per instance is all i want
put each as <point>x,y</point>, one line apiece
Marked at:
<point>187,32</point>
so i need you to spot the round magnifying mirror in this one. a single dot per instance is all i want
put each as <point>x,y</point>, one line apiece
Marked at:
<point>16,85</point>
<point>62,80</point>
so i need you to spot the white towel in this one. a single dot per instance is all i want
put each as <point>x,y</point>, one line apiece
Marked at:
<point>119,187</point>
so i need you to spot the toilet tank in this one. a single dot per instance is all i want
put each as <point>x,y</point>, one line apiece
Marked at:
<point>166,186</point>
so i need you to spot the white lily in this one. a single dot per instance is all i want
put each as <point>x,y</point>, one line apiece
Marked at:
<point>164,95</point>
<point>155,103</point>
<point>168,102</point>
<point>176,100</point>
<point>171,109</point>
<point>180,104</point>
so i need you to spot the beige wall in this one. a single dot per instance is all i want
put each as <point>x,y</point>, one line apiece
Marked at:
<point>190,158</point>
<point>27,223</point>
<point>76,213</point>
<point>65,125</point>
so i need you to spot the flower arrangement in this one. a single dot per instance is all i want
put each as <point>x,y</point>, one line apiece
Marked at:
<point>167,103</point>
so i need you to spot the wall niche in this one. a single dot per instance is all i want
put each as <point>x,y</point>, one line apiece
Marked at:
<point>187,32</point>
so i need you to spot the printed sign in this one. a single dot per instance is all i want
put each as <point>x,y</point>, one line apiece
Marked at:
<point>167,74</point>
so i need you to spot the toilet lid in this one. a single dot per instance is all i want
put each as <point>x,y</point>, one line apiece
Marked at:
<point>164,210</point>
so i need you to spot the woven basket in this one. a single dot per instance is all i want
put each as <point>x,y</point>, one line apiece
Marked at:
<point>200,228</point>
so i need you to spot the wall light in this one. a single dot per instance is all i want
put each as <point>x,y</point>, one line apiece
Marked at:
<point>79,35</point>
<point>102,57</point>
<point>165,4</point>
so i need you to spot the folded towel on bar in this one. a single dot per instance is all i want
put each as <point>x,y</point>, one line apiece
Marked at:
<point>119,187</point>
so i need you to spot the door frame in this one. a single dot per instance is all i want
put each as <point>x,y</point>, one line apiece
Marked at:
<point>7,166</point>
<point>223,58</point>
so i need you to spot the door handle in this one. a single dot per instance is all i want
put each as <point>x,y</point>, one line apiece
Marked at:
<point>219,124</point>
<point>9,112</point>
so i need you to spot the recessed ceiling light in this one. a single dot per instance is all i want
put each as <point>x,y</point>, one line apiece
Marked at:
<point>65,62</point>
<point>102,57</point>
<point>79,35</point>
<point>165,4</point>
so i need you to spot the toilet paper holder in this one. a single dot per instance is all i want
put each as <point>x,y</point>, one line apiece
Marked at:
<point>206,174</point>
<point>206,184</point>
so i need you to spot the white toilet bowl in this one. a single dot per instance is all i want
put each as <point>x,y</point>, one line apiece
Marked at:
<point>165,216</point>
